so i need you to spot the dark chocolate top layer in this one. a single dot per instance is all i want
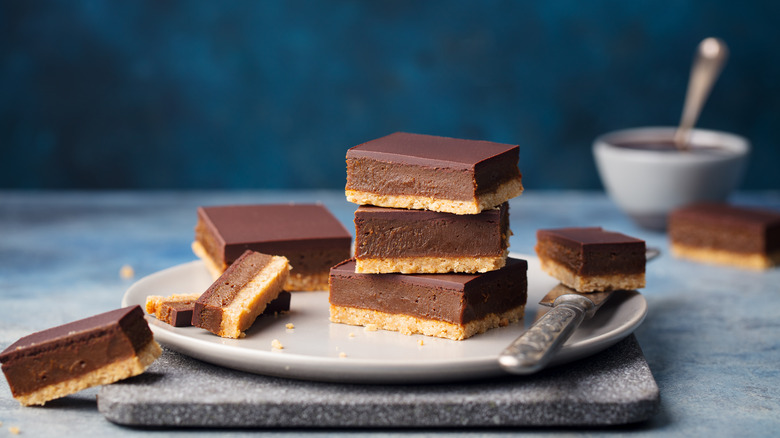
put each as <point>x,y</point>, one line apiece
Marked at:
<point>587,236</point>
<point>728,215</point>
<point>274,228</point>
<point>123,319</point>
<point>429,150</point>
<point>392,232</point>
<point>274,223</point>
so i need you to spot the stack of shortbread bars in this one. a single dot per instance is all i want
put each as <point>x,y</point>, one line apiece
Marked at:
<point>431,237</point>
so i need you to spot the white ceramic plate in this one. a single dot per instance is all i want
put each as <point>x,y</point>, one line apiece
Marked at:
<point>316,349</point>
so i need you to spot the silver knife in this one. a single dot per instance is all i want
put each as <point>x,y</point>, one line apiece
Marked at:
<point>534,349</point>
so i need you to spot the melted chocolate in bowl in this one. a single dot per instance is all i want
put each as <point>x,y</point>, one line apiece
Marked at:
<point>670,147</point>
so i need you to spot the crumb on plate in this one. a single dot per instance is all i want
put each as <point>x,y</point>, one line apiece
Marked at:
<point>275,344</point>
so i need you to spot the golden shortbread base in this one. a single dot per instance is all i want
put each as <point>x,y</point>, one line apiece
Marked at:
<point>592,283</point>
<point>430,265</point>
<point>409,325</point>
<point>504,192</point>
<point>110,373</point>
<point>253,298</point>
<point>307,282</point>
<point>754,261</point>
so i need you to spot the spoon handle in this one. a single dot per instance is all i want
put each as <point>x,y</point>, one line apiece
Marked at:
<point>710,58</point>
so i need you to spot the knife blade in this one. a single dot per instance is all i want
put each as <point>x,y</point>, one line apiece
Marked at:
<point>534,349</point>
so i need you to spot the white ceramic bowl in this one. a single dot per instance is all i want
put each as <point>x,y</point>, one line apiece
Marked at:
<point>647,184</point>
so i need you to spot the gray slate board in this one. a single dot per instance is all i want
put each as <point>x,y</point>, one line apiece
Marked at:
<point>612,387</point>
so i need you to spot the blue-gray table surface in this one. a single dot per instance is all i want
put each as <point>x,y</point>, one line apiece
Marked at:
<point>711,337</point>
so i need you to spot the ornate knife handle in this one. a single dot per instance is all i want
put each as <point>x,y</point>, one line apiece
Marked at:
<point>536,346</point>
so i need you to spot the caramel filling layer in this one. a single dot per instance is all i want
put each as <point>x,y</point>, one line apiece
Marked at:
<point>393,233</point>
<point>594,259</point>
<point>743,240</point>
<point>503,193</point>
<point>374,176</point>
<point>103,375</point>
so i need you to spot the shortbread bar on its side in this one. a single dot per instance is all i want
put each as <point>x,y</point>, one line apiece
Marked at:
<point>233,302</point>
<point>176,310</point>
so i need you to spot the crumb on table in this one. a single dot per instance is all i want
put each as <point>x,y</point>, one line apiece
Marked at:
<point>371,327</point>
<point>14,430</point>
<point>126,272</point>
<point>290,325</point>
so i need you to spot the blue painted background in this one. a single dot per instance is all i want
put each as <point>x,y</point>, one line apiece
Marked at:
<point>270,94</point>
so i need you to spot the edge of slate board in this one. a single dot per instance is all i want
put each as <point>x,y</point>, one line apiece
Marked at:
<point>613,387</point>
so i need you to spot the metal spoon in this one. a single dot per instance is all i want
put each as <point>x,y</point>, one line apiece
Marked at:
<point>709,61</point>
